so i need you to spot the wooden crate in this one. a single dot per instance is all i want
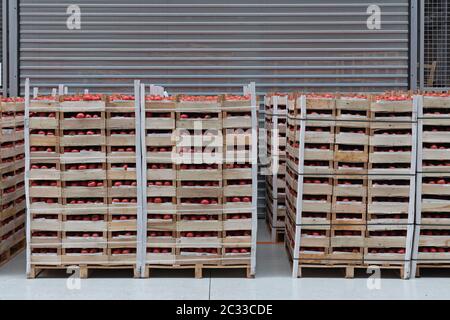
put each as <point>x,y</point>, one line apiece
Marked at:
<point>391,199</point>
<point>435,105</point>
<point>353,108</point>
<point>236,112</point>
<point>351,147</point>
<point>280,104</point>
<point>82,136</point>
<point>347,244</point>
<point>316,194</point>
<point>313,211</point>
<point>160,114</point>
<point>317,148</point>
<point>275,204</point>
<point>315,107</point>
<point>314,244</point>
<point>120,113</point>
<point>392,147</point>
<point>433,193</point>
<point>386,244</point>
<point>433,147</point>
<point>383,110</point>
<point>160,125</point>
<point>433,244</point>
<point>200,115</point>
<point>349,200</point>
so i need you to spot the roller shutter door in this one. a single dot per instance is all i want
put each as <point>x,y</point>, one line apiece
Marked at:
<point>1,47</point>
<point>204,46</point>
<point>1,31</point>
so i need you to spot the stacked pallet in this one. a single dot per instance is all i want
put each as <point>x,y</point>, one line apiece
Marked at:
<point>199,182</point>
<point>239,181</point>
<point>83,208</point>
<point>276,121</point>
<point>350,195</point>
<point>392,170</point>
<point>45,203</point>
<point>121,180</point>
<point>432,240</point>
<point>12,191</point>
<point>161,181</point>
<point>350,179</point>
<point>309,180</point>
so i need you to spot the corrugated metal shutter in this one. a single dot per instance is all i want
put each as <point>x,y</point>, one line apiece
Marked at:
<point>1,46</point>
<point>210,46</point>
<point>1,31</point>
<point>204,46</point>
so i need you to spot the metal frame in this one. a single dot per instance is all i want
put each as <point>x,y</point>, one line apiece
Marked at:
<point>410,235</point>
<point>4,87</point>
<point>143,155</point>
<point>13,48</point>
<point>275,167</point>
<point>252,90</point>
<point>418,18</point>
<point>419,177</point>
<point>275,163</point>
<point>140,250</point>
<point>27,175</point>
<point>300,180</point>
<point>421,45</point>
<point>413,44</point>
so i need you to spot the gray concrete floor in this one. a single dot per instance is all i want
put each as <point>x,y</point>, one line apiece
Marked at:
<point>273,281</point>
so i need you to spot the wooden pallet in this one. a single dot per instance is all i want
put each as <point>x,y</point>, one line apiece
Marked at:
<point>438,266</point>
<point>198,269</point>
<point>12,174</point>
<point>82,271</point>
<point>12,252</point>
<point>277,233</point>
<point>349,270</point>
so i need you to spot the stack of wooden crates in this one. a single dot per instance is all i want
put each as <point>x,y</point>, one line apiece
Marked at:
<point>350,182</point>
<point>12,190</point>
<point>200,211</point>
<point>83,208</point>
<point>432,239</point>
<point>276,118</point>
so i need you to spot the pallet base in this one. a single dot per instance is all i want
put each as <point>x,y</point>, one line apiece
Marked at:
<point>12,253</point>
<point>84,270</point>
<point>441,267</point>
<point>349,270</point>
<point>198,269</point>
<point>276,234</point>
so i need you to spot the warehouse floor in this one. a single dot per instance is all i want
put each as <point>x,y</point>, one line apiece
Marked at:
<point>273,281</point>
